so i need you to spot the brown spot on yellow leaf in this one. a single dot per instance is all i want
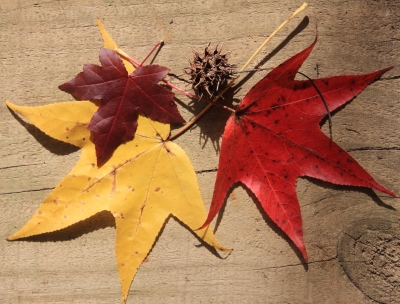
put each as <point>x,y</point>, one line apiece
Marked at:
<point>118,215</point>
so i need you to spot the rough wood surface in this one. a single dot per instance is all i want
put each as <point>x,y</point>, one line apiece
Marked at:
<point>45,43</point>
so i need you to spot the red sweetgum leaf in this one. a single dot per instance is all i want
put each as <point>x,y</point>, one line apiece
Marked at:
<point>122,97</point>
<point>274,137</point>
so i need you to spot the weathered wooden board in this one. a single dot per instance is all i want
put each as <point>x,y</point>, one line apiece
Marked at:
<point>347,230</point>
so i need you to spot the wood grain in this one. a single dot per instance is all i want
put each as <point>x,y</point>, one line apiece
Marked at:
<point>45,43</point>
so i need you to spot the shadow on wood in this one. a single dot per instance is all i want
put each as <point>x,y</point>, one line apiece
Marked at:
<point>53,145</point>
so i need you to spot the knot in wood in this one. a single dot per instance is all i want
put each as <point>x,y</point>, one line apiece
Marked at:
<point>369,253</point>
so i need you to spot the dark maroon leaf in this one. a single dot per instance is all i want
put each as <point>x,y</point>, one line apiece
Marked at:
<point>122,98</point>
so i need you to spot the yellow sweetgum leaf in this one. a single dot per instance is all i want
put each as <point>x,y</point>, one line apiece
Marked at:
<point>144,182</point>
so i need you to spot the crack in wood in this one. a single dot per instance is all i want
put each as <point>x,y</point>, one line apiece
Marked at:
<point>206,171</point>
<point>390,78</point>
<point>24,191</point>
<point>374,149</point>
<point>298,264</point>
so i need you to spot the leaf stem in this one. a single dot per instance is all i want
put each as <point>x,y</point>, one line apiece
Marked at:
<point>198,116</point>
<point>160,43</point>
<point>298,11</point>
<point>323,100</point>
<point>252,70</point>
<point>126,56</point>
<point>134,61</point>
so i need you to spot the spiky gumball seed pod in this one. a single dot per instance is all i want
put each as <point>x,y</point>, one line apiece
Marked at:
<point>210,72</point>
